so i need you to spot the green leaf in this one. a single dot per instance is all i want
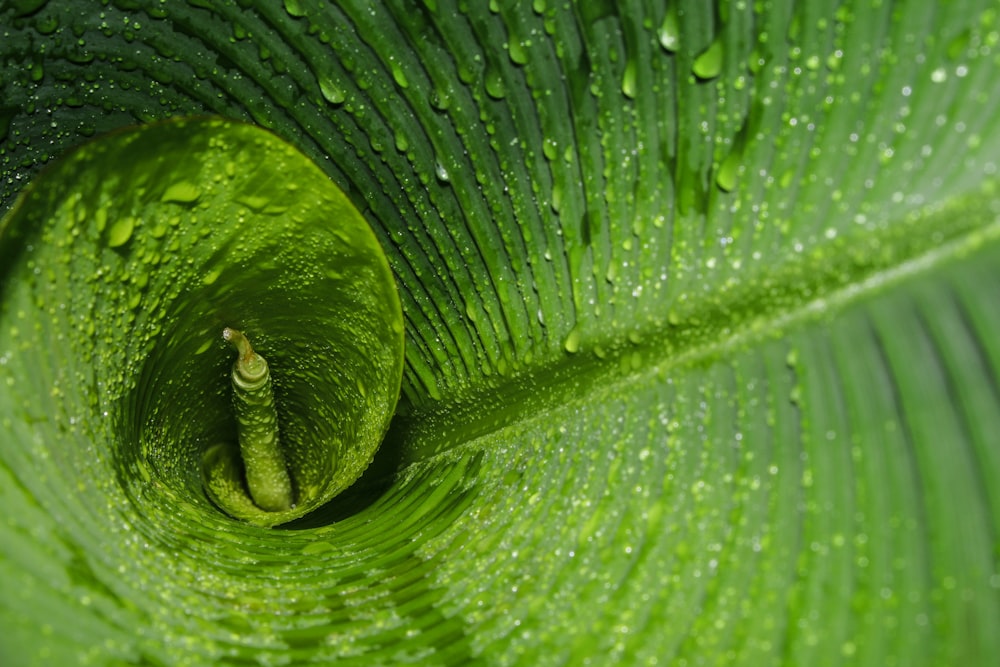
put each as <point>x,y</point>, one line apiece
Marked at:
<point>170,232</point>
<point>701,338</point>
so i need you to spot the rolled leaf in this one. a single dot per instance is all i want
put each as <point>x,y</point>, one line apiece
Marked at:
<point>702,347</point>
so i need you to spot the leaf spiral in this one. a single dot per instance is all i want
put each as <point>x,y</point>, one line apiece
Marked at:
<point>154,237</point>
<point>623,430</point>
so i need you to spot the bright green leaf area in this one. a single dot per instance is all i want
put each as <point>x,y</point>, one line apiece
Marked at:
<point>702,338</point>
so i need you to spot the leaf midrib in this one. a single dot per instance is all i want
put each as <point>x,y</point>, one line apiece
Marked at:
<point>799,292</point>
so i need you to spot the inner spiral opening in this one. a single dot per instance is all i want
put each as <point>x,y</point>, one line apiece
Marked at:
<point>310,326</point>
<point>148,270</point>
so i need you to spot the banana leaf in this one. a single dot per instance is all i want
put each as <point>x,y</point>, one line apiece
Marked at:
<point>702,327</point>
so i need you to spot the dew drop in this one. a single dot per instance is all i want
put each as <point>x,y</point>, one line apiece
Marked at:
<point>255,203</point>
<point>572,342</point>
<point>440,99</point>
<point>493,82</point>
<point>550,149</point>
<point>182,192</point>
<point>728,171</point>
<point>708,64</point>
<point>628,80</point>
<point>100,219</point>
<point>517,52</point>
<point>441,172</point>
<point>331,92</point>
<point>402,143</point>
<point>294,8</point>
<point>400,76</point>
<point>212,276</point>
<point>121,231</point>
<point>669,33</point>
<point>47,25</point>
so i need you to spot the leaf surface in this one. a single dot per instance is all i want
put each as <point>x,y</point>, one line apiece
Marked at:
<point>701,330</point>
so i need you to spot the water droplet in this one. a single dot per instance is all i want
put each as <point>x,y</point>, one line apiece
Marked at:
<point>440,99</point>
<point>628,80</point>
<point>441,172</point>
<point>728,171</point>
<point>517,52</point>
<point>402,143</point>
<point>47,25</point>
<point>572,342</point>
<point>294,8</point>
<point>557,195</point>
<point>468,74</point>
<point>708,64</point>
<point>121,231</point>
<point>255,203</point>
<point>317,547</point>
<point>182,192</point>
<point>331,92</point>
<point>669,33</point>
<point>400,76</point>
<point>212,276</point>
<point>493,82</point>
<point>550,149</point>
